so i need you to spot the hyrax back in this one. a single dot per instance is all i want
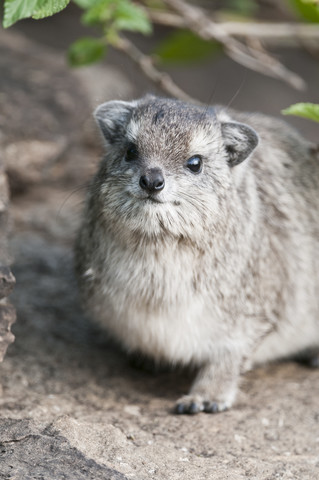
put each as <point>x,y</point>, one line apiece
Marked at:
<point>200,240</point>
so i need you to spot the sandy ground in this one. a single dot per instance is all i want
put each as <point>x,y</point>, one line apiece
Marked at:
<point>73,406</point>
<point>65,382</point>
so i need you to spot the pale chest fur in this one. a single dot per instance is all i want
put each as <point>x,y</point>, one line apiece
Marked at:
<point>160,300</point>
<point>155,276</point>
<point>176,303</point>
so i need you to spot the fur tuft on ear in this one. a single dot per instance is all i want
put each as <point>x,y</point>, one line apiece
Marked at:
<point>240,140</point>
<point>112,118</point>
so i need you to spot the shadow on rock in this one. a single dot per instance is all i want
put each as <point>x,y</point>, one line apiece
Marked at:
<point>59,348</point>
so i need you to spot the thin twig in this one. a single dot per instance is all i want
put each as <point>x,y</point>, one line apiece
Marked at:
<point>144,62</point>
<point>288,34</point>
<point>197,21</point>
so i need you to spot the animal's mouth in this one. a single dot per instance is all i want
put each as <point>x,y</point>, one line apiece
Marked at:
<point>151,199</point>
<point>147,199</point>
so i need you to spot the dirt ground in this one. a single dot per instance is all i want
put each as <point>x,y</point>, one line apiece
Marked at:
<point>72,405</point>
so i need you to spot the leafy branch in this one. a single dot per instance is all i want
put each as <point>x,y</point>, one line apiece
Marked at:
<point>304,110</point>
<point>198,33</point>
<point>256,59</point>
<point>15,10</point>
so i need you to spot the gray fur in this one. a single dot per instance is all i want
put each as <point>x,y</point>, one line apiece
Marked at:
<point>220,268</point>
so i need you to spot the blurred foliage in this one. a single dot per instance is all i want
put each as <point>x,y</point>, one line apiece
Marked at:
<point>245,8</point>
<point>184,46</point>
<point>113,16</point>
<point>305,110</point>
<point>307,9</point>
<point>118,15</point>
<point>85,51</point>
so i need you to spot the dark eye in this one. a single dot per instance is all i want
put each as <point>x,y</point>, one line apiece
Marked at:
<point>131,153</point>
<point>194,164</point>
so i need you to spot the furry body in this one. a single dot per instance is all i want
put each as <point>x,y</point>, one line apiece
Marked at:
<point>220,268</point>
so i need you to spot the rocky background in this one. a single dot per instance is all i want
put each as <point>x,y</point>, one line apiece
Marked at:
<point>72,405</point>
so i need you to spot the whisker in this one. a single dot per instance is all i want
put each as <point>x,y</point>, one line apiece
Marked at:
<point>238,90</point>
<point>207,105</point>
<point>67,198</point>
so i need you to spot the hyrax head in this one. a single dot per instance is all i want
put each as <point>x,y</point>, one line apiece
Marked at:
<point>168,164</point>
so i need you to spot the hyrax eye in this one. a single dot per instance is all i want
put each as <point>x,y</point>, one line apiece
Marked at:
<point>194,164</point>
<point>131,153</point>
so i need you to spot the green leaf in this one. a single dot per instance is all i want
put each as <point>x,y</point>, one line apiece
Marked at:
<point>85,4</point>
<point>15,10</point>
<point>120,14</point>
<point>50,7</point>
<point>243,7</point>
<point>101,11</point>
<point>128,16</point>
<point>184,47</point>
<point>85,51</point>
<point>307,10</point>
<point>156,4</point>
<point>305,110</point>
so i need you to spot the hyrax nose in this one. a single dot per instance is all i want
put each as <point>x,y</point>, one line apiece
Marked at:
<point>152,181</point>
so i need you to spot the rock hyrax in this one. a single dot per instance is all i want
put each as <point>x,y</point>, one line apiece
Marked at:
<point>200,240</point>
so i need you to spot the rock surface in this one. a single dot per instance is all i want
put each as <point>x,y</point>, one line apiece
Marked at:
<point>7,280</point>
<point>73,407</point>
<point>43,110</point>
<point>29,452</point>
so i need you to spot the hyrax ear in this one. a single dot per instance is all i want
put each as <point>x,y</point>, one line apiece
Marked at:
<point>112,118</point>
<point>240,140</point>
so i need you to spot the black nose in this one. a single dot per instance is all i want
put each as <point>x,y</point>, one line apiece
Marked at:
<point>153,181</point>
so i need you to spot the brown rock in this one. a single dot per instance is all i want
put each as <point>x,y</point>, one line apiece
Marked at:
<point>29,161</point>
<point>7,281</point>
<point>41,115</point>
<point>7,318</point>
<point>28,451</point>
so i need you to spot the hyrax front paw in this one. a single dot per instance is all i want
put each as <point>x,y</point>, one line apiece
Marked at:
<point>191,404</point>
<point>314,361</point>
<point>214,389</point>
